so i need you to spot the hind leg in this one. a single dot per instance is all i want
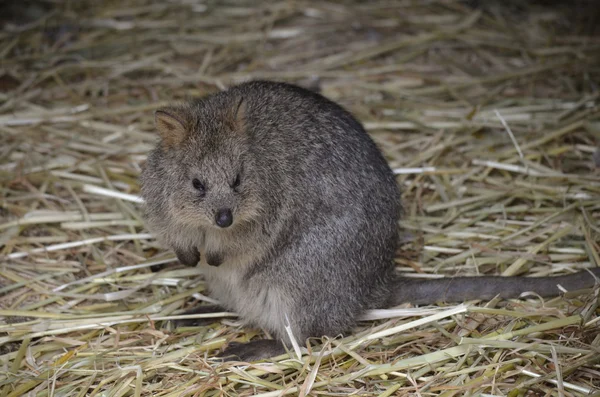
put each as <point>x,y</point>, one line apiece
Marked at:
<point>252,351</point>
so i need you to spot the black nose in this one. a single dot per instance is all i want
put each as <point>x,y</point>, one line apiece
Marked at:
<point>224,218</point>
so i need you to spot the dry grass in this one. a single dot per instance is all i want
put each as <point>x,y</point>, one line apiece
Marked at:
<point>490,118</point>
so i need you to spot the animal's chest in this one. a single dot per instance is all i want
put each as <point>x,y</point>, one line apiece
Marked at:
<point>260,299</point>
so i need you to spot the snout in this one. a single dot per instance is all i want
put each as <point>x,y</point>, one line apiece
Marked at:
<point>224,218</point>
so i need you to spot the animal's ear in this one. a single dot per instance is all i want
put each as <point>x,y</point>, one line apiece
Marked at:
<point>239,115</point>
<point>171,126</point>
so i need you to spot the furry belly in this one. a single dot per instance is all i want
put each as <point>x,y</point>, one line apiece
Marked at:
<point>263,306</point>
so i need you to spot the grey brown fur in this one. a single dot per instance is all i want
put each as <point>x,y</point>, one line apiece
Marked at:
<point>314,216</point>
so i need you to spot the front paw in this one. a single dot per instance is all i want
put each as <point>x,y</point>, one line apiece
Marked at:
<point>252,351</point>
<point>214,259</point>
<point>188,257</point>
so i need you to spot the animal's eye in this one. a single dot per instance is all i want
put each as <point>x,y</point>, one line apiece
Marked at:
<point>236,183</point>
<point>198,185</point>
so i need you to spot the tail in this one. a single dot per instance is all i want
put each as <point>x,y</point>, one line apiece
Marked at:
<point>459,289</point>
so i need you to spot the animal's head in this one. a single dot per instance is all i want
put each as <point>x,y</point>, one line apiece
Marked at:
<point>202,173</point>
